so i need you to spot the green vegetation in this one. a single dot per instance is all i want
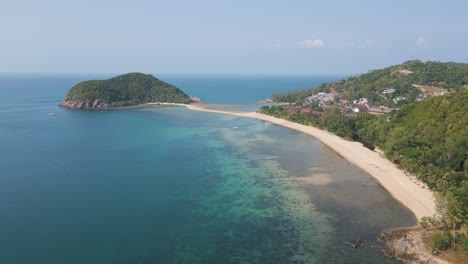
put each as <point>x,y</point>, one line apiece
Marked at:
<point>440,241</point>
<point>293,96</point>
<point>371,85</point>
<point>462,240</point>
<point>428,138</point>
<point>298,117</point>
<point>124,90</point>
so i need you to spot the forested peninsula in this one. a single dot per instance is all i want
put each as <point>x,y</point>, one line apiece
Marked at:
<point>417,114</point>
<point>124,90</point>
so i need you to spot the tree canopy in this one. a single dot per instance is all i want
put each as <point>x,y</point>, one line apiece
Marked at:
<point>427,138</point>
<point>123,90</point>
<point>402,78</point>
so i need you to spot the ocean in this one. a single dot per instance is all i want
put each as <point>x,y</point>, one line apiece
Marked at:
<point>164,184</point>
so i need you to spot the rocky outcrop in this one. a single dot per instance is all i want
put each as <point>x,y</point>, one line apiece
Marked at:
<point>355,243</point>
<point>406,244</point>
<point>77,104</point>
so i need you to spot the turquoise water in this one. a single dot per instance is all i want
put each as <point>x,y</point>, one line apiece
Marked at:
<point>169,185</point>
<point>242,89</point>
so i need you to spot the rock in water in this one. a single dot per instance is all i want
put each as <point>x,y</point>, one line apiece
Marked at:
<point>355,243</point>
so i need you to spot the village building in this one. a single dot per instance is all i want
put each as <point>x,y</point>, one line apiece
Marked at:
<point>399,98</point>
<point>360,108</point>
<point>388,91</point>
<point>380,110</point>
<point>363,101</point>
<point>309,111</point>
<point>320,97</point>
<point>405,71</point>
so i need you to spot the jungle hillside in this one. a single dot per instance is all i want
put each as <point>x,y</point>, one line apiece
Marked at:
<point>124,90</point>
<point>425,134</point>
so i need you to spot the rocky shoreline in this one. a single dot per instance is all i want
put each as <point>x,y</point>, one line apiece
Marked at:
<point>406,244</point>
<point>85,105</point>
<point>98,105</point>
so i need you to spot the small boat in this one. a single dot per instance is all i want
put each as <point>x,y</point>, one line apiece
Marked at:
<point>51,114</point>
<point>235,127</point>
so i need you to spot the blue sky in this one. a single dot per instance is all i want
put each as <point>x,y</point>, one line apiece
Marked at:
<point>228,37</point>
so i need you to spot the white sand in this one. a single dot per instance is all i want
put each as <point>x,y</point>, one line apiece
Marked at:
<point>406,189</point>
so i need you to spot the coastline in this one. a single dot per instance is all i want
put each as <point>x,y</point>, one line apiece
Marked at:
<point>407,244</point>
<point>406,189</point>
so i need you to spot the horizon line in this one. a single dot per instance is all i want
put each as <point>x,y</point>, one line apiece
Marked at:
<point>182,73</point>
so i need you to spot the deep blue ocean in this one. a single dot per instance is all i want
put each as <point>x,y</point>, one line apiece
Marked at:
<point>164,184</point>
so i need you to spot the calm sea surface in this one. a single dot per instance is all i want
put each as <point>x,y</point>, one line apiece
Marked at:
<point>170,185</point>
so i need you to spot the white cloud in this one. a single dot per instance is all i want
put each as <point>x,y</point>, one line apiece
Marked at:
<point>312,43</point>
<point>275,47</point>
<point>367,43</point>
<point>362,44</point>
<point>422,41</point>
<point>346,45</point>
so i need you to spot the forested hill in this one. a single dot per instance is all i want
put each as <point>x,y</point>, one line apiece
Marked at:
<point>123,90</point>
<point>428,138</point>
<point>410,81</point>
<point>417,113</point>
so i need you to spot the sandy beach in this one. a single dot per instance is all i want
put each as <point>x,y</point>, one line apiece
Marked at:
<point>405,188</point>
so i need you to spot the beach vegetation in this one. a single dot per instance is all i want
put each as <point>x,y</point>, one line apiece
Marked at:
<point>462,240</point>
<point>440,240</point>
<point>424,222</point>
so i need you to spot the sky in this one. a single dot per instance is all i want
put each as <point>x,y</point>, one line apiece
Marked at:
<point>228,37</point>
